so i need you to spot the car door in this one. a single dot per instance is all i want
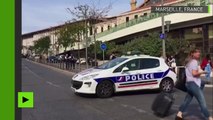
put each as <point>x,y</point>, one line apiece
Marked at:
<point>125,80</point>
<point>151,71</point>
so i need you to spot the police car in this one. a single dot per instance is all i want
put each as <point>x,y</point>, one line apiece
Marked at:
<point>126,73</point>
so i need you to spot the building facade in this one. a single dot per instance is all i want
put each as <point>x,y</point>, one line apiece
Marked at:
<point>196,28</point>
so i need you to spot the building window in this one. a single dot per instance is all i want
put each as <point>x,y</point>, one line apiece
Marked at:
<point>102,29</point>
<point>195,36</point>
<point>116,25</point>
<point>127,19</point>
<point>136,16</point>
<point>108,27</point>
<point>145,14</point>
<point>90,31</point>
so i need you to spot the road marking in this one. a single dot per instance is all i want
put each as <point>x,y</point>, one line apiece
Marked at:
<point>69,73</point>
<point>134,108</point>
<point>50,83</point>
<point>32,72</point>
<point>111,100</point>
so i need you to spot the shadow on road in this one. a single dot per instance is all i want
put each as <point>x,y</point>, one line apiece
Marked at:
<point>193,113</point>
<point>127,93</point>
<point>86,95</point>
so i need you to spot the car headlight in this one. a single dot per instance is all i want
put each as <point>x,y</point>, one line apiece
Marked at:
<point>89,77</point>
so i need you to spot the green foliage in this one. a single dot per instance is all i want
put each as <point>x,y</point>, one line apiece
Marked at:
<point>178,48</point>
<point>111,48</point>
<point>151,45</point>
<point>42,45</point>
<point>69,34</point>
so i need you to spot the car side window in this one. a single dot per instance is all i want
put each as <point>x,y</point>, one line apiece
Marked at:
<point>132,65</point>
<point>147,63</point>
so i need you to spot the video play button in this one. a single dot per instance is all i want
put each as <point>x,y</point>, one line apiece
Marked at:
<point>25,100</point>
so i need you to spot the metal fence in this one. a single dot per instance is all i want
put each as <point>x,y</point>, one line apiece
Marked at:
<point>63,65</point>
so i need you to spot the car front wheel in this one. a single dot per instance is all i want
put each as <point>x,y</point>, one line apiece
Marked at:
<point>105,89</point>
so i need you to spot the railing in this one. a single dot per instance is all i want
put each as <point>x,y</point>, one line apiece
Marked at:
<point>135,21</point>
<point>69,66</point>
<point>130,23</point>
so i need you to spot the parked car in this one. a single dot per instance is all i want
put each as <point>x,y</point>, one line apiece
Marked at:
<point>126,73</point>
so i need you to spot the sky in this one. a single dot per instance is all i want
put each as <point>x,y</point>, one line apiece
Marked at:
<point>41,14</point>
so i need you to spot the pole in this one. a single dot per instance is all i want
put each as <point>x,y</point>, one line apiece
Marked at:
<point>103,56</point>
<point>86,42</point>
<point>163,32</point>
<point>95,46</point>
<point>79,65</point>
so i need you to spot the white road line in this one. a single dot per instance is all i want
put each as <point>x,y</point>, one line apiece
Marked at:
<point>33,72</point>
<point>134,108</point>
<point>50,83</point>
<point>69,73</point>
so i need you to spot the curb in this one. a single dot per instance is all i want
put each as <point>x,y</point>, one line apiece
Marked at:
<point>53,68</point>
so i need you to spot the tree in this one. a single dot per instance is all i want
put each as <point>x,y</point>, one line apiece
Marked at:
<point>178,48</point>
<point>90,15</point>
<point>67,36</point>
<point>42,45</point>
<point>111,48</point>
<point>152,45</point>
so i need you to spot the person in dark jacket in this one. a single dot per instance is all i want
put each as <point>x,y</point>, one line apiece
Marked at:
<point>67,61</point>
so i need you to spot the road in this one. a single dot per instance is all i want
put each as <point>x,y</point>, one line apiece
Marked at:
<point>54,100</point>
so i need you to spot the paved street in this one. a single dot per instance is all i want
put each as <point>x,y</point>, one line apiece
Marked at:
<point>54,100</point>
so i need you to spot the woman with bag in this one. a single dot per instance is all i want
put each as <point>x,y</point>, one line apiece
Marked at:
<point>193,85</point>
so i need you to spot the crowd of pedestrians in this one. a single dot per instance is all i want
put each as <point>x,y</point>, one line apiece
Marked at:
<point>70,61</point>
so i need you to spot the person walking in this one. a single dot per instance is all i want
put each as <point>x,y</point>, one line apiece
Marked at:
<point>194,85</point>
<point>73,61</point>
<point>205,61</point>
<point>112,56</point>
<point>67,61</point>
<point>172,63</point>
<point>208,69</point>
<point>207,66</point>
<point>70,61</point>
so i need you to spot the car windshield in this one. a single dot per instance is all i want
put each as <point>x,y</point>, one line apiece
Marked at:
<point>111,63</point>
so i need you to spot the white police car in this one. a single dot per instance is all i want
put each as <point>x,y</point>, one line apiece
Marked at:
<point>125,73</point>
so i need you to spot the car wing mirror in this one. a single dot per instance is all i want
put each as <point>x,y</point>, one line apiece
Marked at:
<point>125,69</point>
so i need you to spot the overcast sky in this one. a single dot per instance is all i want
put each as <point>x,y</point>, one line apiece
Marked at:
<point>40,14</point>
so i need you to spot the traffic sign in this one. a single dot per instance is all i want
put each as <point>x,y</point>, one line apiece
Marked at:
<point>103,46</point>
<point>162,36</point>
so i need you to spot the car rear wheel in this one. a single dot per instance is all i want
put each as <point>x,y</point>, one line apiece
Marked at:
<point>105,89</point>
<point>166,85</point>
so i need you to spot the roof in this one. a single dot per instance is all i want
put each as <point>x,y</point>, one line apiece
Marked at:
<point>147,3</point>
<point>27,35</point>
